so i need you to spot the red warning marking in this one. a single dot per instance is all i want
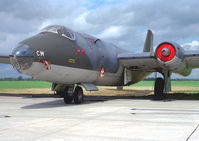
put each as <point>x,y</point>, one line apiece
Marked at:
<point>91,41</point>
<point>78,51</point>
<point>102,73</point>
<point>83,52</point>
<point>46,64</point>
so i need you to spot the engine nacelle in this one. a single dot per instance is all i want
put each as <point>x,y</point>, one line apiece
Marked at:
<point>170,56</point>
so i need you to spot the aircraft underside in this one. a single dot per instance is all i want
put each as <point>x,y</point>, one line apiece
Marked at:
<point>68,75</point>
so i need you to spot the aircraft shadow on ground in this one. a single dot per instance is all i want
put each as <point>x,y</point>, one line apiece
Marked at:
<point>96,98</point>
<point>60,103</point>
<point>50,104</point>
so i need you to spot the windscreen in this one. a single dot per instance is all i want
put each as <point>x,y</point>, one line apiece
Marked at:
<point>61,30</point>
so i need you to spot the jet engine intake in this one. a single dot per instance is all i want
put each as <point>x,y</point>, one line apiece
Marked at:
<point>170,56</point>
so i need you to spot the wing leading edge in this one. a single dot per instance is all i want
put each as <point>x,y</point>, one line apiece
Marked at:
<point>182,63</point>
<point>192,58</point>
<point>138,61</point>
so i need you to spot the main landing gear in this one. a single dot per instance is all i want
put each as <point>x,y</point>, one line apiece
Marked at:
<point>70,94</point>
<point>159,89</point>
<point>162,86</point>
<point>78,95</point>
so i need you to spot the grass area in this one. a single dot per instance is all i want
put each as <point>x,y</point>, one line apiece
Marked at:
<point>23,84</point>
<point>185,83</point>
<point>143,90</point>
<point>42,84</point>
<point>173,83</point>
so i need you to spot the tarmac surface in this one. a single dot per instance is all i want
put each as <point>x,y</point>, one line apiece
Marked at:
<point>27,118</point>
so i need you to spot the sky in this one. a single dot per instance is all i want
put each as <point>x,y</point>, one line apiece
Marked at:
<point>122,22</point>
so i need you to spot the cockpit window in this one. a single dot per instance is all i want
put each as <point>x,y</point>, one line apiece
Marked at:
<point>49,29</point>
<point>61,30</point>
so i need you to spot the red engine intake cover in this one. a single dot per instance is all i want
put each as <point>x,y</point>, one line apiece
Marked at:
<point>171,52</point>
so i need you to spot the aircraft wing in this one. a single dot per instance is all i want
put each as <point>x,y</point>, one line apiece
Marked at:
<point>4,59</point>
<point>181,62</point>
<point>138,61</point>
<point>192,58</point>
<point>168,56</point>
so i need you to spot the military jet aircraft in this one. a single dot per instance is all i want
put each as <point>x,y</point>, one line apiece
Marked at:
<point>71,60</point>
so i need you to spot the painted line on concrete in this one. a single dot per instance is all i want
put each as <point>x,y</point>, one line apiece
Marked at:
<point>192,132</point>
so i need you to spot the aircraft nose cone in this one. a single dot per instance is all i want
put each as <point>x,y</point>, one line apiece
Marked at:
<point>22,57</point>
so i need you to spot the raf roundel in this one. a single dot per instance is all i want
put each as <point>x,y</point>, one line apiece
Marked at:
<point>166,52</point>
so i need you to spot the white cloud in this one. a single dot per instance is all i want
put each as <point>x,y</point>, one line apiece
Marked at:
<point>123,23</point>
<point>10,42</point>
<point>44,24</point>
<point>112,32</point>
<point>81,25</point>
<point>194,45</point>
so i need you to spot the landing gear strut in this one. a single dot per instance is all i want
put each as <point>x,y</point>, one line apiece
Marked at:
<point>162,86</point>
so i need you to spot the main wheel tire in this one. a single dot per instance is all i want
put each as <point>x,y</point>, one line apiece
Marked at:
<point>68,96</point>
<point>158,89</point>
<point>78,95</point>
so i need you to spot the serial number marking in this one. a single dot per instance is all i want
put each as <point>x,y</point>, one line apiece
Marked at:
<point>73,61</point>
<point>40,53</point>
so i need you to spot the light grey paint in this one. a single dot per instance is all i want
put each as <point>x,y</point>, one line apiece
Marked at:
<point>98,119</point>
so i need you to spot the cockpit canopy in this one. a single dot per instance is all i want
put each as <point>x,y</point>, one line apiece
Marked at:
<point>61,30</point>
